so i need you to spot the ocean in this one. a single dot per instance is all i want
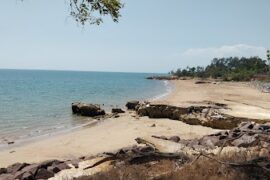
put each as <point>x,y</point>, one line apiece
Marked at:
<point>38,102</point>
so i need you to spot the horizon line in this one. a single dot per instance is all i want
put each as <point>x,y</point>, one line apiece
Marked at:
<point>83,71</point>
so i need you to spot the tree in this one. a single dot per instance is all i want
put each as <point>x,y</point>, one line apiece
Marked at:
<point>92,11</point>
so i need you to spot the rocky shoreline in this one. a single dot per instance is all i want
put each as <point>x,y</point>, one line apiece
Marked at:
<point>247,136</point>
<point>245,133</point>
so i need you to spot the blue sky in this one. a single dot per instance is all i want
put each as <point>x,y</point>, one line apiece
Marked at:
<point>152,35</point>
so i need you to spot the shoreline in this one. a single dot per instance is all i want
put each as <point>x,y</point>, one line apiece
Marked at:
<point>32,139</point>
<point>112,134</point>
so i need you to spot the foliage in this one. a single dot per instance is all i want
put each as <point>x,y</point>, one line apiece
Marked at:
<point>92,10</point>
<point>233,68</point>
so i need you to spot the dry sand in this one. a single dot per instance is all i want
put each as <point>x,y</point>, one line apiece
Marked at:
<point>115,133</point>
<point>108,135</point>
<point>242,99</point>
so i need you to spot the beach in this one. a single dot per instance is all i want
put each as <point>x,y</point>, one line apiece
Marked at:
<point>111,134</point>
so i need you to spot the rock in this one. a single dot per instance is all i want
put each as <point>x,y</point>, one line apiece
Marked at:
<point>89,110</point>
<point>16,167</point>
<point>33,168</point>
<point>116,116</point>
<point>174,139</point>
<point>62,166</point>
<point>10,142</point>
<point>202,82</point>
<point>153,125</point>
<point>48,163</point>
<point>54,169</point>
<point>117,110</point>
<point>3,171</point>
<point>244,141</point>
<point>27,176</point>
<point>209,141</point>
<point>162,111</point>
<point>6,177</point>
<point>75,107</point>
<point>44,174</point>
<point>131,105</point>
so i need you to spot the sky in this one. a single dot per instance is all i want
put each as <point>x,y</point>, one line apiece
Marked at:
<point>151,36</point>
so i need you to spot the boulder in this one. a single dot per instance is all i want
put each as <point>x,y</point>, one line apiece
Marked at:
<point>174,139</point>
<point>131,105</point>
<point>89,110</point>
<point>44,174</point>
<point>117,110</point>
<point>16,167</point>
<point>75,107</point>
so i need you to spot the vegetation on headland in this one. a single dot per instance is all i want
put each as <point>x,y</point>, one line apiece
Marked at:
<point>228,69</point>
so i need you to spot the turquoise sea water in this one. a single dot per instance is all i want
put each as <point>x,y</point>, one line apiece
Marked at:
<point>34,103</point>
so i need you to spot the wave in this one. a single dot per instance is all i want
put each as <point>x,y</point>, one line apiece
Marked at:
<point>168,90</point>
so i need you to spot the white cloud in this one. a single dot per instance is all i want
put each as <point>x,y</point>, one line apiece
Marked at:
<point>203,56</point>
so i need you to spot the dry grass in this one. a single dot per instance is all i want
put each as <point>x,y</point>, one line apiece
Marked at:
<point>202,169</point>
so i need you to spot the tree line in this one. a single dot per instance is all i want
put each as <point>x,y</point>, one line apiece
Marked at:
<point>228,69</point>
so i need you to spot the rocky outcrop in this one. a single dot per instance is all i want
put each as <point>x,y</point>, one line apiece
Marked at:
<point>89,110</point>
<point>24,171</point>
<point>131,105</point>
<point>246,135</point>
<point>117,110</point>
<point>209,115</point>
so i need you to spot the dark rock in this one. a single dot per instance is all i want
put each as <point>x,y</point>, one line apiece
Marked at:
<point>117,110</point>
<point>174,139</point>
<point>16,167</point>
<point>33,168</point>
<point>131,105</point>
<point>10,142</point>
<point>54,169</point>
<point>3,171</point>
<point>116,116</point>
<point>153,125</point>
<point>87,109</point>
<point>27,176</point>
<point>202,82</point>
<point>75,108</point>
<point>48,163</point>
<point>62,166</point>
<point>44,174</point>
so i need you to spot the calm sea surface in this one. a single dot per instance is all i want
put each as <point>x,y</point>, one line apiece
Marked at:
<point>34,103</point>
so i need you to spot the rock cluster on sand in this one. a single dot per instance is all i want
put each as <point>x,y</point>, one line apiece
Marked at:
<point>209,115</point>
<point>247,134</point>
<point>89,110</point>
<point>24,171</point>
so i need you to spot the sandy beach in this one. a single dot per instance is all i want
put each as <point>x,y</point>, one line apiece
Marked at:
<point>114,133</point>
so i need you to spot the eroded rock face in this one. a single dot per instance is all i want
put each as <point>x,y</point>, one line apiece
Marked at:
<point>89,110</point>
<point>131,105</point>
<point>161,111</point>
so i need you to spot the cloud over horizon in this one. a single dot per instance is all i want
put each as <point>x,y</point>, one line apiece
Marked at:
<point>203,56</point>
